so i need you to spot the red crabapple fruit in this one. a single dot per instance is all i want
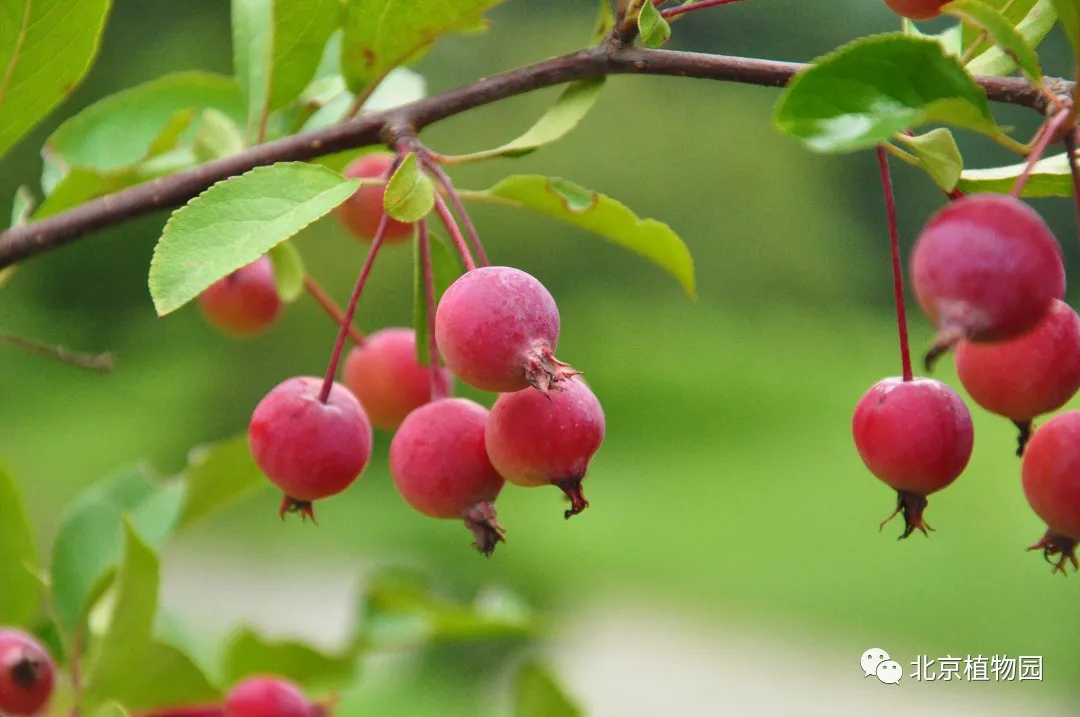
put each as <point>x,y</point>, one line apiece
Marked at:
<point>1051,478</point>
<point>27,674</point>
<point>916,437</point>
<point>1032,374</point>
<point>362,212</point>
<point>536,440</point>
<point>497,329</point>
<point>385,375</point>
<point>262,696</point>
<point>916,9</point>
<point>244,303</point>
<point>309,449</point>
<point>985,268</point>
<point>441,468</point>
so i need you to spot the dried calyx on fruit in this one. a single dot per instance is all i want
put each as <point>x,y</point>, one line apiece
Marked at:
<point>1051,478</point>
<point>27,674</point>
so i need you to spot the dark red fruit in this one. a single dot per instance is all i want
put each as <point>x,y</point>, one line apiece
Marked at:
<point>985,268</point>
<point>441,469</point>
<point>362,212</point>
<point>26,674</point>
<point>385,375</point>
<point>245,303</point>
<point>497,329</point>
<point>916,9</point>
<point>1051,477</point>
<point>1032,374</point>
<point>267,697</point>
<point>309,449</point>
<point>916,437</point>
<point>536,440</point>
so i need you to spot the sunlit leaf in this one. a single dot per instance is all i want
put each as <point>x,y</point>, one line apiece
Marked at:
<point>1050,177</point>
<point>216,135</point>
<point>653,28</point>
<point>409,195</point>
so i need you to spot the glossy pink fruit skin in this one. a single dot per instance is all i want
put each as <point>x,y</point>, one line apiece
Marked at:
<point>362,212</point>
<point>915,436</point>
<point>987,265</point>
<point>490,321</point>
<point>438,461</point>
<point>385,376</point>
<point>244,303</point>
<point>1051,474</point>
<point>266,697</point>
<point>534,441</point>
<point>308,449</point>
<point>1032,374</point>
<point>27,674</point>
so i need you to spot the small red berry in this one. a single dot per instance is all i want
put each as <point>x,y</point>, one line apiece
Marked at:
<point>362,212</point>
<point>385,375</point>
<point>1051,478</point>
<point>916,437</point>
<point>309,449</point>
<point>985,268</point>
<point>266,697</point>
<point>441,468</point>
<point>245,303</point>
<point>1027,376</point>
<point>26,674</point>
<point>916,9</point>
<point>497,329</point>
<point>536,440</point>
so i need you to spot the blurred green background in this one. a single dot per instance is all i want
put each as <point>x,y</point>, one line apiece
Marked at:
<point>728,495</point>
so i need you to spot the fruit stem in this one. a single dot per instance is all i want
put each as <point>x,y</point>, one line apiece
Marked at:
<point>424,237</point>
<point>191,711</point>
<point>455,232</point>
<point>1049,131</point>
<point>897,269</point>
<point>102,363</point>
<point>1070,150</point>
<point>350,310</point>
<point>672,12</point>
<point>470,229</point>
<point>332,309</point>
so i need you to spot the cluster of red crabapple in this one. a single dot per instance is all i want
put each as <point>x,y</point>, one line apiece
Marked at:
<point>496,328</point>
<point>28,676</point>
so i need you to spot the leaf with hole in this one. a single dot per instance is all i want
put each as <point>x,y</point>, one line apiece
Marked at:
<point>236,221</point>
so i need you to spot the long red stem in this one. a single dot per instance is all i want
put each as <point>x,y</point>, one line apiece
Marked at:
<point>1070,149</point>
<point>682,9</point>
<point>350,310</point>
<point>333,311</point>
<point>898,274</point>
<point>455,232</point>
<point>470,229</point>
<point>1048,132</point>
<point>437,385</point>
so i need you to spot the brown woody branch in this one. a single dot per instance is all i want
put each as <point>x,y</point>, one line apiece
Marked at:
<point>27,240</point>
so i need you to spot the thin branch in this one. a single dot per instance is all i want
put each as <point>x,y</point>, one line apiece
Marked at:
<point>28,240</point>
<point>101,363</point>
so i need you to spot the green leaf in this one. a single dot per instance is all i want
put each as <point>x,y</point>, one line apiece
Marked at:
<point>122,130</point>
<point>19,595</point>
<point>410,195</point>
<point>216,136</point>
<point>89,541</point>
<point>1050,177</point>
<point>1068,12</point>
<point>236,221</point>
<point>288,271</point>
<point>1034,27</point>
<point>571,107</point>
<point>277,47</point>
<point>166,676</point>
<point>938,155</point>
<point>251,654</point>
<point>22,205</point>
<point>871,89</point>
<point>398,88</point>
<point>1014,11</point>
<point>380,35</point>
<point>218,475</point>
<point>110,709</point>
<point>446,268</point>
<point>537,694</point>
<point>654,29</point>
<point>600,214</point>
<point>605,21</point>
<point>998,27</point>
<point>46,47</point>
<point>132,622</point>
